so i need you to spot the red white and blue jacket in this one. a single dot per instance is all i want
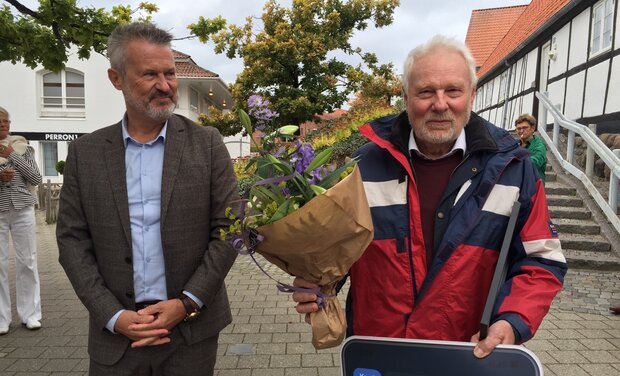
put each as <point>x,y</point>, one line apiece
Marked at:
<point>394,294</point>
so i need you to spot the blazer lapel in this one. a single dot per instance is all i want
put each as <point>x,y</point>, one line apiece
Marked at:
<point>115,165</point>
<point>175,142</point>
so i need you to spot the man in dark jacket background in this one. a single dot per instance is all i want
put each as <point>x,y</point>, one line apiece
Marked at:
<point>440,183</point>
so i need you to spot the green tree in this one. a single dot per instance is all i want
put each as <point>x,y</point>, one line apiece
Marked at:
<point>226,122</point>
<point>289,59</point>
<point>43,36</point>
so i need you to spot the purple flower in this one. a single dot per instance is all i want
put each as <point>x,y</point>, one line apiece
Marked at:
<point>303,155</point>
<point>258,108</point>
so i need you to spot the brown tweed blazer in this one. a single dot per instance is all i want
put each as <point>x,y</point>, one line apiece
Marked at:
<point>94,235</point>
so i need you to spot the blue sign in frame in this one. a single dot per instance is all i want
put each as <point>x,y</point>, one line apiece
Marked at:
<point>377,356</point>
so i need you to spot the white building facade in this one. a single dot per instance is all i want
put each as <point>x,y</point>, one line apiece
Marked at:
<point>52,109</point>
<point>574,57</point>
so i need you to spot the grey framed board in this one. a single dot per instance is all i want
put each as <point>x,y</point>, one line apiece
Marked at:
<point>377,356</point>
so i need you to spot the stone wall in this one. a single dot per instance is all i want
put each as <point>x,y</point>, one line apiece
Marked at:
<point>611,140</point>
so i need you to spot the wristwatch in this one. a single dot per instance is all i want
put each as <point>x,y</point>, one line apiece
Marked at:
<point>191,308</point>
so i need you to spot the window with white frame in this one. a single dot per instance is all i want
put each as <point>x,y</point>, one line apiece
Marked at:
<point>602,26</point>
<point>62,94</point>
<point>50,158</point>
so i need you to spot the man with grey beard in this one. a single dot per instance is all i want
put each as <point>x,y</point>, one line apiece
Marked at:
<point>441,183</point>
<point>141,208</point>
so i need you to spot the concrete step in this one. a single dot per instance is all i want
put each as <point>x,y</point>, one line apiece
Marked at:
<point>550,176</point>
<point>574,226</point>
<point>558,189</point>
<point>591,260</point>
<point>592,243</point>
<point>556,200</point>
<point>557,212</point>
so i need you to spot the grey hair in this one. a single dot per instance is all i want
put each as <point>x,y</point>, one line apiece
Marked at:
<point>122,35</point>
<point>439,41</point>
<point>4,111</point>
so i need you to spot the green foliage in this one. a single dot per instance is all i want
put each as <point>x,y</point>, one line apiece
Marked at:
<point>342,134</point>
<point>344,148</point>
<point>290,178</point>
<point>43,36</point>
<point>226,122</point>
<point>60,167</point>
<point>288,60</point>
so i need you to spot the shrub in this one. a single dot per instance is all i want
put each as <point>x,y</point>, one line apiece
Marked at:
<point>60,167</point>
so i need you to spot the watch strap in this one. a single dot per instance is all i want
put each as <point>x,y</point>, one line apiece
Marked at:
<point>191,308</point>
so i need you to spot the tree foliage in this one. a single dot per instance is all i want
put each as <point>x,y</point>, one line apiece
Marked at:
<point>290,58</point>
<point>43,36</point>
<point>226,122</point>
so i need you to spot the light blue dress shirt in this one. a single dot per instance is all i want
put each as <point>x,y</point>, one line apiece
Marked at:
<point>143,169</point>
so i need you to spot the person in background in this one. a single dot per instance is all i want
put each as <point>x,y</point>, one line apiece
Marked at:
<point>141,208</point>
<point>441,182</point>
<point>526,126</point>
<point>18,170</point>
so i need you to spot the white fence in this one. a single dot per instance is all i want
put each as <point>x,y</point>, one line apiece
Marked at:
<point>594,147</point>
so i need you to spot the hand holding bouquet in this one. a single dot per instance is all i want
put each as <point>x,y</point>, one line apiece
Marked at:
<point>309,221</point>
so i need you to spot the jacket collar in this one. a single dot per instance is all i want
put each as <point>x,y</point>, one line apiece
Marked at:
<point>477,133</point>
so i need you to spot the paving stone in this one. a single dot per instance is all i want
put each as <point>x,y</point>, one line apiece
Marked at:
<point>598,344</point>
<point>540,345</point>
<point>285,361</point>
<point>568,357</point>
<point>271,348</point>
<point>258,338</point>
<point>599,356</point>
<point>301,372</point>
<point>60,365</point>
<point>567,370</point>
<point>234,372</point>
<point>316,360</point>
<point>254,361</point>
<point>600,369</point>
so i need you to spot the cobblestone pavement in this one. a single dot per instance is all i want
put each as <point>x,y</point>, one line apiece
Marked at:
<point>578,337</point>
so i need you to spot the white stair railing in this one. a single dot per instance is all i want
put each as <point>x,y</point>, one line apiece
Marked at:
<point>594,147</point>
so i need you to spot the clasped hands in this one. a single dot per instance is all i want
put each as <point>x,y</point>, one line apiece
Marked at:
<point>151,326</point>
<point>5,150</point>
<point>7,175</point>
<point>499,333</point>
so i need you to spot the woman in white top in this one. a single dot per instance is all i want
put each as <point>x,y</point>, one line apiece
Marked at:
<point>18,171</point>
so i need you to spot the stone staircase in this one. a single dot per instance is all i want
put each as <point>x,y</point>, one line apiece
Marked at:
<point>587,240</point>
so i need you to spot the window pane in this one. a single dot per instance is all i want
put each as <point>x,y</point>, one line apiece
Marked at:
<point>51,78</point>
<point>75,78</point>
<point>52,90</point>
<point>50,158</point>
<point>75,97</point>
<point>75,90</point>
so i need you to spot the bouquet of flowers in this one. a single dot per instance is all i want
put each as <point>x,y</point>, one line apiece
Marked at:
<point>311,221</point>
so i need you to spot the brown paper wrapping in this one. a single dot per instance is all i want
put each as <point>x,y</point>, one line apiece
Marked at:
<point>319,242</point>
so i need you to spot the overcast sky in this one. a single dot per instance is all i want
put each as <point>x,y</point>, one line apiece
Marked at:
<point>415,21</point>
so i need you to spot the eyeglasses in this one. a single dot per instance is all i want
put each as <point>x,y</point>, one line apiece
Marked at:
<point>2,121</point>
<point>521,129</point>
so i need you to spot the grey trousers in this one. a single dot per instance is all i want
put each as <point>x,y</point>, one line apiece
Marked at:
<point>172,359</point>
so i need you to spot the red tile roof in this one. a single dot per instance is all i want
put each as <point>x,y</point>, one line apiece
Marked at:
<point>487,28</point>
<point>187,68</point>
<point>532,18</point>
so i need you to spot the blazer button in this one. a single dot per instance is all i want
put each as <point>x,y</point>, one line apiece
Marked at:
<point>129,294</point>
<point>440,215</point>
<point>128,260</point>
